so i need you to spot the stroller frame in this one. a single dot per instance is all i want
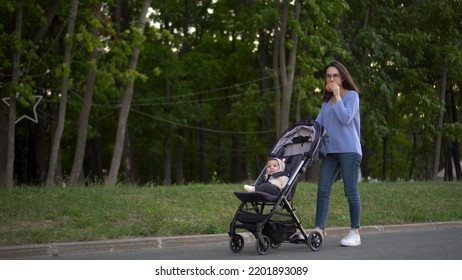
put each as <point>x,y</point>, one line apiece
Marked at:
<point>273,227</point>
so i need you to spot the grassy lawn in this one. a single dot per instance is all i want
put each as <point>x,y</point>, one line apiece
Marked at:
<point>41,215</point>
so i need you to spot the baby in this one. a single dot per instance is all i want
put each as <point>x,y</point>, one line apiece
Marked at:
<point>275,178</point>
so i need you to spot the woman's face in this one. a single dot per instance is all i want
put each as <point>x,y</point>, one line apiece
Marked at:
<point>332,76</point>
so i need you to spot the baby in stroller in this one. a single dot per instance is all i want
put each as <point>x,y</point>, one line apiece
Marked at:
<point>275,178</point>
<point>272,217</point>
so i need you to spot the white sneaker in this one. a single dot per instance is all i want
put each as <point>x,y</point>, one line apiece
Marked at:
<point>249,188</point>
<point>297,237</point>
<point>300,236</point>
<point>352,239</point>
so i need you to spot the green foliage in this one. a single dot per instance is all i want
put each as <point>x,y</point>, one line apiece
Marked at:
<point>204,88</point>
<point>397,59</point>
<point>453,131</point>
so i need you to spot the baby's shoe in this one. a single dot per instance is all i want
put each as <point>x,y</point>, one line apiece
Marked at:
<point>249,188</point>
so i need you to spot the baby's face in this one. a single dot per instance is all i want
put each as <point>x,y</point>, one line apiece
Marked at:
<point>272,166</point>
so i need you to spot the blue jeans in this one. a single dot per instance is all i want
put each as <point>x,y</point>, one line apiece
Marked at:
<point>348,164</point>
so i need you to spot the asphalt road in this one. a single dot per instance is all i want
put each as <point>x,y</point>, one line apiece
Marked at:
<point>440,244</point>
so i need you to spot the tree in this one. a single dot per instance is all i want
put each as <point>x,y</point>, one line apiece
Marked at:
<point>126,98</point>
<point>77,166</point>
<point>444,46</point>
<point>284,64</point>
<point>56,142</point>
<point>220,80</point>
<point>14,91</point>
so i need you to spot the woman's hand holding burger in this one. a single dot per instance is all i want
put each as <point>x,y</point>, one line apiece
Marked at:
<point>335,89</point>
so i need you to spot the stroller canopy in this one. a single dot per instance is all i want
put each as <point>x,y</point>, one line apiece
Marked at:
<point>301,138</point>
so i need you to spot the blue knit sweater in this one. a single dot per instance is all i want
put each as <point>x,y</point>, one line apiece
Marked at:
<point>343,124</point>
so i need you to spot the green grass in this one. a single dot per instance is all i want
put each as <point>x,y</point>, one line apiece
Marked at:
<point>40,215</point>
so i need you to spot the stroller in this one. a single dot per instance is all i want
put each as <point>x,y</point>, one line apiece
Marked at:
<point>272,219</point>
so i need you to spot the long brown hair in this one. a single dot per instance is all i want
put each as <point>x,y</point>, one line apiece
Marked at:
<point>347,80</point>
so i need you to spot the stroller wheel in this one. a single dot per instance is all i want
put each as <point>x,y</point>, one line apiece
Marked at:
<point>275,245</point>
<point>315,240</point>
<point>236,243</point>
<point>262,247</point>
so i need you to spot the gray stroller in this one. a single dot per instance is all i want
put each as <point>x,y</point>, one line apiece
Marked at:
<point>273,219</point>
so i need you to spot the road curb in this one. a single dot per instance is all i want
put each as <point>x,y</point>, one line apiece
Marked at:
<point>55,249</point>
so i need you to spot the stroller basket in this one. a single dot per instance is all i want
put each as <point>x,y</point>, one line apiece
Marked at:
<point>278,231</point>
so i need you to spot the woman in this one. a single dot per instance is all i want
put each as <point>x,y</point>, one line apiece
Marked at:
<point>340,116</point>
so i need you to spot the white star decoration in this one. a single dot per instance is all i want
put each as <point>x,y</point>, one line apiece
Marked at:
<point>38,98</point>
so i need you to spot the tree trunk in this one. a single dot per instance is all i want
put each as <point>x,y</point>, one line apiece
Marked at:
<point>456,159</point>
<point>412,158</point>
<point>94,160</point>
<point>130,163</point>
<point>40,159</point>
<point>448,175</point>
<point>16,60</point>
<point>298,108</point>
<point>180,157</point>
<point>262,58</point>
<point>365,170</point>
<point>50,15</point>
<point>276,74</point>
<point>288,70</point>
<point>384,157</point>
<point>286,66</point>
<point>40,142</point>
<point>126,101</point>
<point>202,161</point>
<point>54,154</point>
<point>236,171</point>
<point>439,128</point>
<point>167,162</point>
<point>455,143</point>
<point>77,166</point>
<point>4,128</point>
